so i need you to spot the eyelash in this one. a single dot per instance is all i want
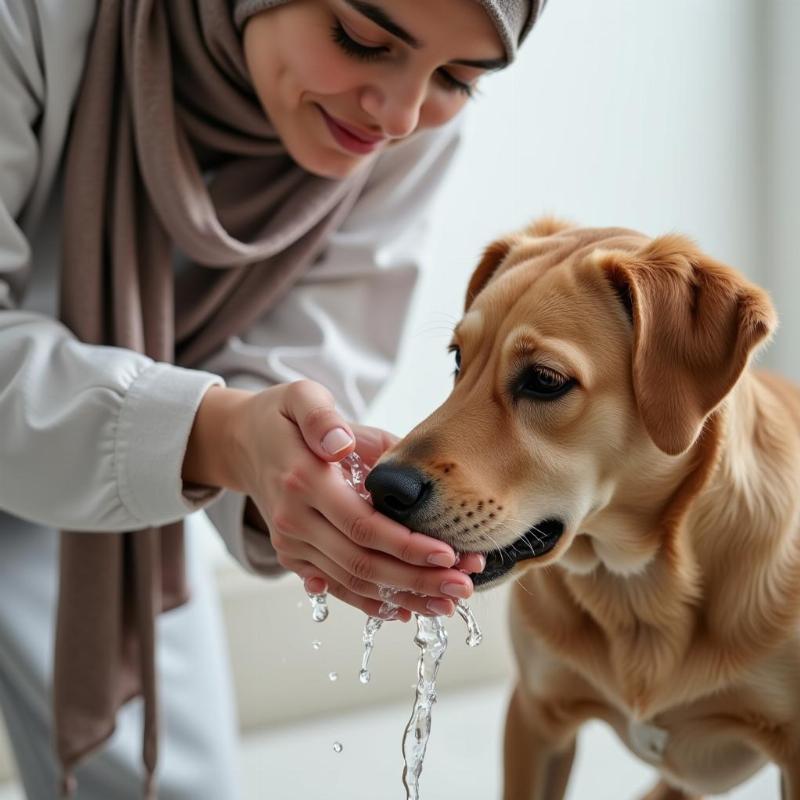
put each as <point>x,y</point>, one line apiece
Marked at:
<point>364,53</point>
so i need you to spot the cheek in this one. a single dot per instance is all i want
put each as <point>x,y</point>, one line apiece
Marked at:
<point>323,70</point>
<point>299,61</point>
<point>439,108</point>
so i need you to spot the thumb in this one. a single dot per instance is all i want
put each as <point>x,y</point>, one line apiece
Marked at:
<point>311,407</point>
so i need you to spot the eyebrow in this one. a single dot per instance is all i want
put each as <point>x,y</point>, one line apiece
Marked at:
<point>377,15</point>
<point>381,18</point>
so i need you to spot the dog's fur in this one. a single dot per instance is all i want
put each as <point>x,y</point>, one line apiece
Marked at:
<point>670,606</point>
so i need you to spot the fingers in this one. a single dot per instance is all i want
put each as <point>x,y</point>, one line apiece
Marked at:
<point>363,569</point>
<point>325,491</point>
<point>367,528</point>
<point>428,606</point>
<point>315,584</point>
<point>470,562</point>
<point>311,407</point>
<point>371,607</point>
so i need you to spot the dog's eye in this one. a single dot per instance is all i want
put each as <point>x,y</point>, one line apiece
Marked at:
<point>542,383</point>
<point>456,351</point>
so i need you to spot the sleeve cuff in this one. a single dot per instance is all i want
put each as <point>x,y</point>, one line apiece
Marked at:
<point>153,429</point>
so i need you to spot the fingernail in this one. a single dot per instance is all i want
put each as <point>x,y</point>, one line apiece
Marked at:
<point>441,559</point>
<point>456,590</point>
<point>440,607</point>
<point>483,562</point>
<point>336,440</point>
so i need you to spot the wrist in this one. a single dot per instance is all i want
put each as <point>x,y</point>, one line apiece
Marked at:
<point>212,452</point>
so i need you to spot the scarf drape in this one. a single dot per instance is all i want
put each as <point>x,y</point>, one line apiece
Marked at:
<point>169,149</point>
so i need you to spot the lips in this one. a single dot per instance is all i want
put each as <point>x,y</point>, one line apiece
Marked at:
<point>349,137</point>
<point>535,542</point>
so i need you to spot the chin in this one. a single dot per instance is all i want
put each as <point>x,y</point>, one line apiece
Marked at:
<point>325,162</point>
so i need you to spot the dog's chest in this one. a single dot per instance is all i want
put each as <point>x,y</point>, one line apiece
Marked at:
<point>695,756</point>
<point>715,742</point>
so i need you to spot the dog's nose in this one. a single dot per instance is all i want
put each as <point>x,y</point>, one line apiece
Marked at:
<point>397,490</point>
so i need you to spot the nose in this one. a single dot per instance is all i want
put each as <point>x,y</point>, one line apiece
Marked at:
<point>394,106</point>
<point>397,490</point>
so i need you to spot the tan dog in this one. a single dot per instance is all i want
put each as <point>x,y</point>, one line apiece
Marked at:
<point>607,446</point>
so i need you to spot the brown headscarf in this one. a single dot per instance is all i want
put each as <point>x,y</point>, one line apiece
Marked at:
<point>169,147</point>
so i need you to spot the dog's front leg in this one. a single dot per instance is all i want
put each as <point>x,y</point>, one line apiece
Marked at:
<point>536,765</point>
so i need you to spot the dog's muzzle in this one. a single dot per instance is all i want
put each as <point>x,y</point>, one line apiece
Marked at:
<point>405,494</point>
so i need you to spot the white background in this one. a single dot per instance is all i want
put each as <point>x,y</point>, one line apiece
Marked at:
<point>658,115</point>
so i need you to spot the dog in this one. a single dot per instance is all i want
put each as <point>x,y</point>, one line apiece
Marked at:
<point>607,446</point>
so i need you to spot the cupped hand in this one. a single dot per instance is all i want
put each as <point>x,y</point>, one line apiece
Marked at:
<point>290,438</point>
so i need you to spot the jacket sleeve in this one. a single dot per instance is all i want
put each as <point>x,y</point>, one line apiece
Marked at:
<point>341,324</point>
<point>91,438</point>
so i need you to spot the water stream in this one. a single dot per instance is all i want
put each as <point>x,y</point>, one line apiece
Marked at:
<point>431,639</point>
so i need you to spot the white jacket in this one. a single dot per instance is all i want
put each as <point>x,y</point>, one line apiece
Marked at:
<point>93,438</point>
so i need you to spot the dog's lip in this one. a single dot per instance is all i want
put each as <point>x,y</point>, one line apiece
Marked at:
<point>535,542</point>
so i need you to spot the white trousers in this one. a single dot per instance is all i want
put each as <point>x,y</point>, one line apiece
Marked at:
<point>197,743</point>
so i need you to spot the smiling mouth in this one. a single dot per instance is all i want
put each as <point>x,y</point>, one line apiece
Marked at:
<point>536,541</point>
<point>347,136</point>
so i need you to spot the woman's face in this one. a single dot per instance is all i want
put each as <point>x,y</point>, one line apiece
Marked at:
<point>340,79</point>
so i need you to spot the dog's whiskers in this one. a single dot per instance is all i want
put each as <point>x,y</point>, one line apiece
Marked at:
<point>496,546</point>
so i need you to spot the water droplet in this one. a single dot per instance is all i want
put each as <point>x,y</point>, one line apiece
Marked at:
<point>337,747</point>
<point>316,645</point>
<point>474,635</point>
<point>319,606</point>
<point>333,676</point>
<point>364,676</point>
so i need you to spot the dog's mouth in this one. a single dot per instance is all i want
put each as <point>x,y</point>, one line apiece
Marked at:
<point>535,542</point>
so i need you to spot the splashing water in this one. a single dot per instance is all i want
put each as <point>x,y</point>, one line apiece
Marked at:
<point>371,627</point>
<point>474,635</point>
<point>431,639</point>
<point>387,611</point>
<point>337,747</point>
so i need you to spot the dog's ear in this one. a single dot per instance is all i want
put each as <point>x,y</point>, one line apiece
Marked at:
<point>695,324</point>
<point>492,257</point>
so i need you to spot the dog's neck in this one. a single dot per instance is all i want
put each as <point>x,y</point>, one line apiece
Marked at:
<point>671,563</point>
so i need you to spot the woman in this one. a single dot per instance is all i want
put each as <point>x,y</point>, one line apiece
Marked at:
<point>201,203</point>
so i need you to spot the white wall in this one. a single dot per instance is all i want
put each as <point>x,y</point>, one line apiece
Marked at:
<point>782,166</point>
<point>640,113</point>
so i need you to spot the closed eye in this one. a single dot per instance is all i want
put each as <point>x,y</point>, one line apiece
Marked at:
<point>363,52</point>
<point>352,47</point>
